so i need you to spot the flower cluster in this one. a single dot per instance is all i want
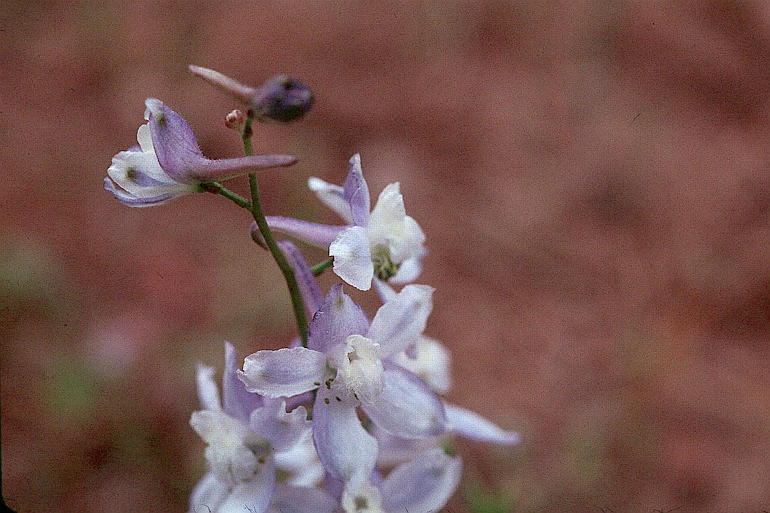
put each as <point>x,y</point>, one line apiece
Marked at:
<point>350,416</point>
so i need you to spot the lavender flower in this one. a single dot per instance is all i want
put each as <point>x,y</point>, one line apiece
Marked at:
<point>247,437</point>
<point>386,243</point>
<point>168,163</point>
<point>348,362</point>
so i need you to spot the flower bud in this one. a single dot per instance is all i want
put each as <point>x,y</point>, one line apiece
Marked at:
<point>282,98</point>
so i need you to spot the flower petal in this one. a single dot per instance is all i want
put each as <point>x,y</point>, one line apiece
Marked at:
<point>337,319</point>
<point>134,201</point>
<point>472,425</point>
<point>236,400</point>
<point>321,235</point>
<point>301,464</point>
<point>423,485</point>
<point>407,407</point>
<point>308,285</point>
<point>295,499</point>
<point>208,493</point>
<point>352,257</point>
<point>388,212</point>
<point>344,447</point>
<point>431,362</point>
<point>356,193</point>
<point>283,430</point>
<point>208,393</point>
<point>284,372</point>
<point>399,322</point>
<point>173,140</point>
<point>252,496</point>
<point>332,196</point>
<point>408,271</point>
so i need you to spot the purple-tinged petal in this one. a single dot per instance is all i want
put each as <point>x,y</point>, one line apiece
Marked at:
<point>208,393</point>
<point>308,286</point>
<point>283,373</point>
<point>300,463</point>
<point>252,496</point>
<point>133,201</point>
<point>356,193</point>
<point>407,407</point>
<point>344,447</point>
<point>352,257</point>
<point>320,235</point>
<point>208,493</point>
<point>173,140</point>
<point>332,196</point>
<point>392,450</point>
<point>475,427</point>
<point>399,322</point>
<point>295,499</point>
<point>283,430</point>
<point>236,400</point>
<point>337,319</point>
<point>423,485</point>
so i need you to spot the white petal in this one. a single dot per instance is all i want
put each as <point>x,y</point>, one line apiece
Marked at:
<point>423,485</point>
<point>398,323</point>
<point>208,393</point>
<point>283,373</point>
<point>344,447</point>
<point>389,209</point>
<point>432,363</point>
<point>407,408</point>
<point>293,499</point>
<point>144,138</point>
<point>408,271</point>
<point>332,196</point>
<point>472,425</point>
<point>352,257</point>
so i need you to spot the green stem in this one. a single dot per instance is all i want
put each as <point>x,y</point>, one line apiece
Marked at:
<point>217,188</point>
<point>280,259</point>
<point>321,266</point>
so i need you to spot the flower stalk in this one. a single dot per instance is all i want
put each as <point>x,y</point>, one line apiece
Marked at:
<point>259,217</point>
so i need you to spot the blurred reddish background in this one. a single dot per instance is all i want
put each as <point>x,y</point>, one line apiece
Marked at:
<point>592,178</point>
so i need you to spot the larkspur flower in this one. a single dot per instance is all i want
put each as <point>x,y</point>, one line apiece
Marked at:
<point>348,361</point>
<point>247,438</point>
<point>385,244</point>
<point>167,163</point>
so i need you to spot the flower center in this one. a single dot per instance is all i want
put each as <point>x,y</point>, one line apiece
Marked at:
<point>359,369</point>
<point>384,267</point>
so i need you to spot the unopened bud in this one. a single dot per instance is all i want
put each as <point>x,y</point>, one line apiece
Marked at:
<point>282,98</point>
<point>235,119</point>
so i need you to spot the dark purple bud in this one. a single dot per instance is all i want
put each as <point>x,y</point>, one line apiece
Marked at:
<point>282,98</point>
